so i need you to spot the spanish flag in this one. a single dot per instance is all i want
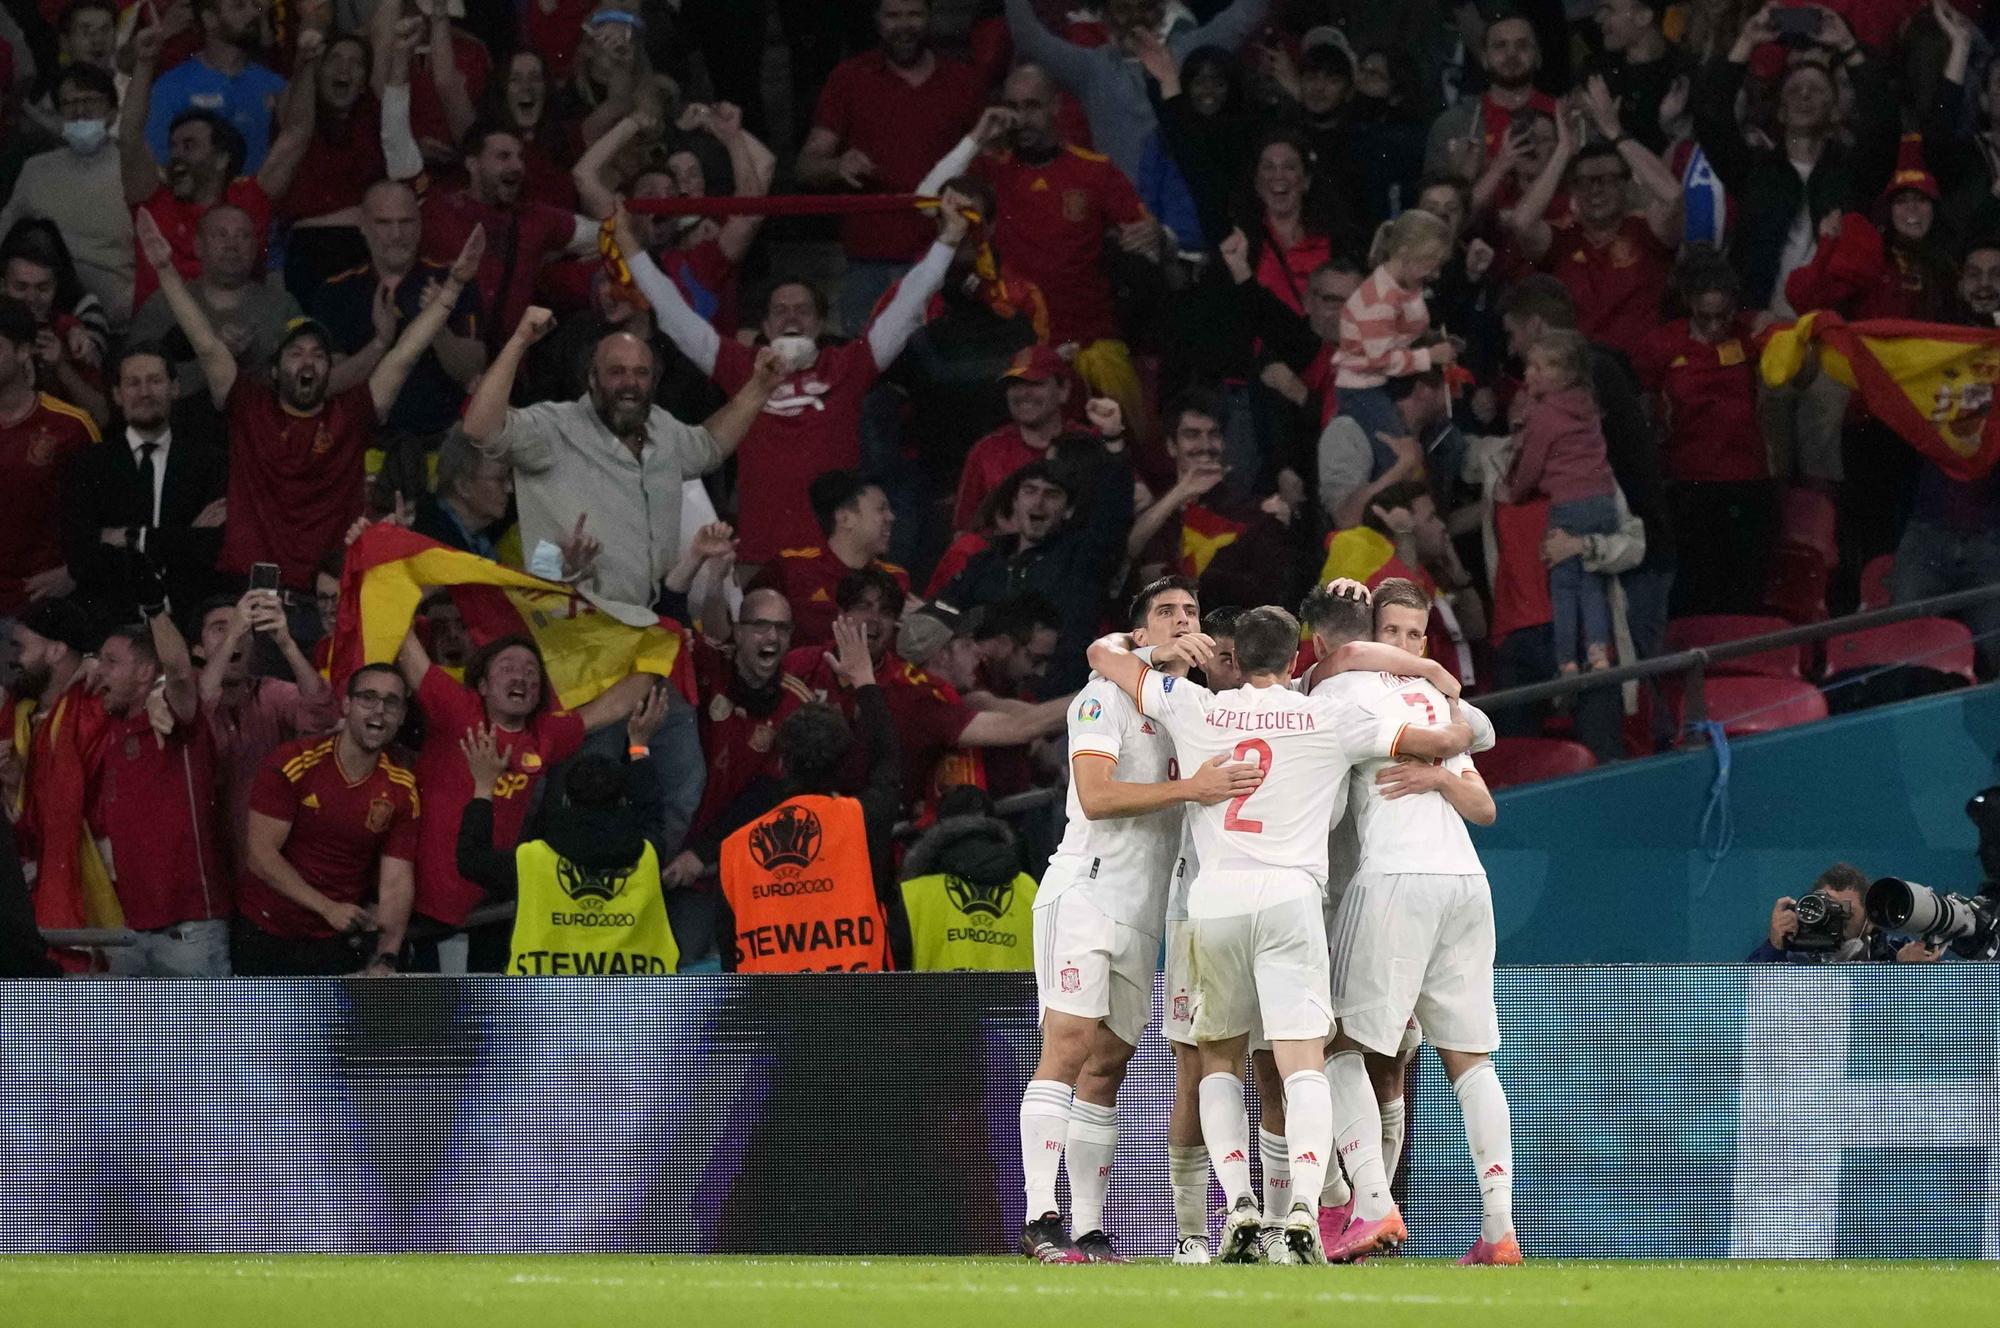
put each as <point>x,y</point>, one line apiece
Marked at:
<point>1930,382</point>
<point>72,888</point>
<point>1203,535</point>
<point>586,646</point>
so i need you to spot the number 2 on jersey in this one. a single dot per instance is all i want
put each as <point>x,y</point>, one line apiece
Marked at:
<point>1260,751</point>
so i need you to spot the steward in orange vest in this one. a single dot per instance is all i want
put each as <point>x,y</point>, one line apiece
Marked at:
<point>809,886</point>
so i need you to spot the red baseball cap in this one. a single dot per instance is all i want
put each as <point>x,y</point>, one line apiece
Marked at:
<point>1037,364</point>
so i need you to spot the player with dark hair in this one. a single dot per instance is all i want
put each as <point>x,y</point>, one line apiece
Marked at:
<point>1098,919</point>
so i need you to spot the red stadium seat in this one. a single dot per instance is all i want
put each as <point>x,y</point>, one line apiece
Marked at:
<point>1795,583</point>
<point>1526,760</point>
<point>1875,582</point>
<point>1746,704</point>
<point>1716,629</point>
<point>1931,643</point>
<point>1807,518</point>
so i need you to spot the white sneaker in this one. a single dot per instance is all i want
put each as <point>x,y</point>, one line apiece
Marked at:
<point>1193,1249</point>
<point>1271,1239</point>
<point>1239,1233</point>
<point>1301,1234</point>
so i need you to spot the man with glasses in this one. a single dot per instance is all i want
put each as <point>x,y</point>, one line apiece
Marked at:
<point>1614,262</point>
<point>331,867</point>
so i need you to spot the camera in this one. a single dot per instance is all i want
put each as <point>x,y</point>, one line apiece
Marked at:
<point>1970,926</point>
<point>1822,928</point>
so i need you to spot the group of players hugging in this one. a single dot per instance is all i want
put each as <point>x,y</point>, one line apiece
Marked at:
<point>1298,842</point>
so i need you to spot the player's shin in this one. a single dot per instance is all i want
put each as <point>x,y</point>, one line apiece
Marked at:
<point>1309,1131</point>
<point>1087,1154</point>
<point>1277,1160</point>
<point>1045,1114</point>
<point>1357,1127</point>
<point>1489,1132</point>
<point>1227,1128</point>
<point>1393,1118</point>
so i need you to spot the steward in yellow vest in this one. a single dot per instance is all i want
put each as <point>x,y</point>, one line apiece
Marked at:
<point>970,904</point>
<point>807,886</point>
<point>588,892</point>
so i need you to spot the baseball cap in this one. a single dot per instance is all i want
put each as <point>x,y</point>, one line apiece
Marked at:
<point>1036,364</point>
<point>65,621</point>
<point>304,327</point>
<point>924,632</point>
<point>16,323</point>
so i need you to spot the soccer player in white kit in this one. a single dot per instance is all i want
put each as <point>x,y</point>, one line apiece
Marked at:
<point>1098,918</point>
<point>1258,938</point>
<point>1414,935</point>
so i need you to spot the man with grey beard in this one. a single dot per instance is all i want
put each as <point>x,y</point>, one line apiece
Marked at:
<point>599,481</point>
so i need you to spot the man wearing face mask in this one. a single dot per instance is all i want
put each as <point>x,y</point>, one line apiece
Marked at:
<point>78,187</point>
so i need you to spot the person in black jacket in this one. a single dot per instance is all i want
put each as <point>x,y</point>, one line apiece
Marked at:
<point>1063,549</point>
<point>1779,195</point>
<point>155,484</point>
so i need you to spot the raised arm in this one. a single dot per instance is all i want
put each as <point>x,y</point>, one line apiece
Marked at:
<point>1662,188</point>
<point>891,329</point>
<point>1011,728</point>
<point>593,190</point>
<point>401,156</point>
<point>171,648</point>
<point>136,167</point>
<point>733,421</point>
<point>448,78</point>
<point>387,381</point>
<point>480,860</point>
<point>691,334</point>
<point>486,413</point>
<point>218,366</point>
<point>1067,62</point>
<point>298,114</point>
<point>753,165</point>
<point>1527,220</point>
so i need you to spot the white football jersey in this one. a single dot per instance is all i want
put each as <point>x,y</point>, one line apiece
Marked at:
<point>1420,833</point>
<point>1126,863</point>
<point>1305,746</point>
<point>1187,865</point>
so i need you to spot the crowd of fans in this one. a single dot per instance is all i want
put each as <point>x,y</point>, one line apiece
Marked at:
<point>1258,293</point>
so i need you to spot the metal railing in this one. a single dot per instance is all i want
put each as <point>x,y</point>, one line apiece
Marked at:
<point>1693,664</point>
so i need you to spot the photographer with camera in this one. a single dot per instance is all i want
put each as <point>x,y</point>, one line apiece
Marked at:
<point>1830,925</point>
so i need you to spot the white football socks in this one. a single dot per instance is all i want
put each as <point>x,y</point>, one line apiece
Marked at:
<point>1357,1126</point>
<point>1187,1167</point>
<point>1277,1160</point>
<point>1490,1132</point>
<point>1226,1127</point>
<point>1093,1139</point>
<point>1393,1117</point>
<point>1044,1126</point>
<point>1309,1131</point>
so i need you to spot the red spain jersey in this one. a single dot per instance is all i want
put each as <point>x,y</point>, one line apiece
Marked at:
<point>1710,391</point>
<point>340,830</point>
<point>295,481</point>
<point>807,577</point>
<point>1053,218</point>
<point>34,459</point>
<point>1616,285</point>
<point>739,740</point>
<point>154,799</point>
<point>451,709</point>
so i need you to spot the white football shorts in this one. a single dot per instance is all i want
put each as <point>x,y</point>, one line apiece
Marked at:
<point>1261,973</point>
<point>1089,964</point>
<point>1416,944</point>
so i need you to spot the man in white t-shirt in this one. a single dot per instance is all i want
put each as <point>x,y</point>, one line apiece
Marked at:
<point>1098,918</point>
<point>1258,940</point>
<point>1414,936</point>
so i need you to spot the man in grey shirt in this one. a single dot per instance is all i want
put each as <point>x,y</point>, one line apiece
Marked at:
<point>610,465</point>
<point>251,315</point>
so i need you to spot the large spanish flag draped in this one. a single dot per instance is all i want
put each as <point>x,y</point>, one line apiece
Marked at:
<point>586,645</point>
<point>1931,382</point>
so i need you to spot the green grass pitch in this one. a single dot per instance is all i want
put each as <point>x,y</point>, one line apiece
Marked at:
<point>442,1291</point>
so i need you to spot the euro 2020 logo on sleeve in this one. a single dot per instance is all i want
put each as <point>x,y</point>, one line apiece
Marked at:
<point>791,838</point>
<point>987,901</point>
<point>1088,710</point>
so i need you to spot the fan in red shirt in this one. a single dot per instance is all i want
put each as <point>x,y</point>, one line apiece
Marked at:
<point>812,422</point>
<point>1056,203</point>
<point>1614,263</point>
<point>153,799</point>
<point>854,515</point>
<point>38,437</point>
<point>1703,372</point>
<point>295,457</point>
<point>333,845</point>
<point>506,688</point>
<point>204,154</point>
<point>1037,384</point>
<point>883,118</point>
<point>521,235</point>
